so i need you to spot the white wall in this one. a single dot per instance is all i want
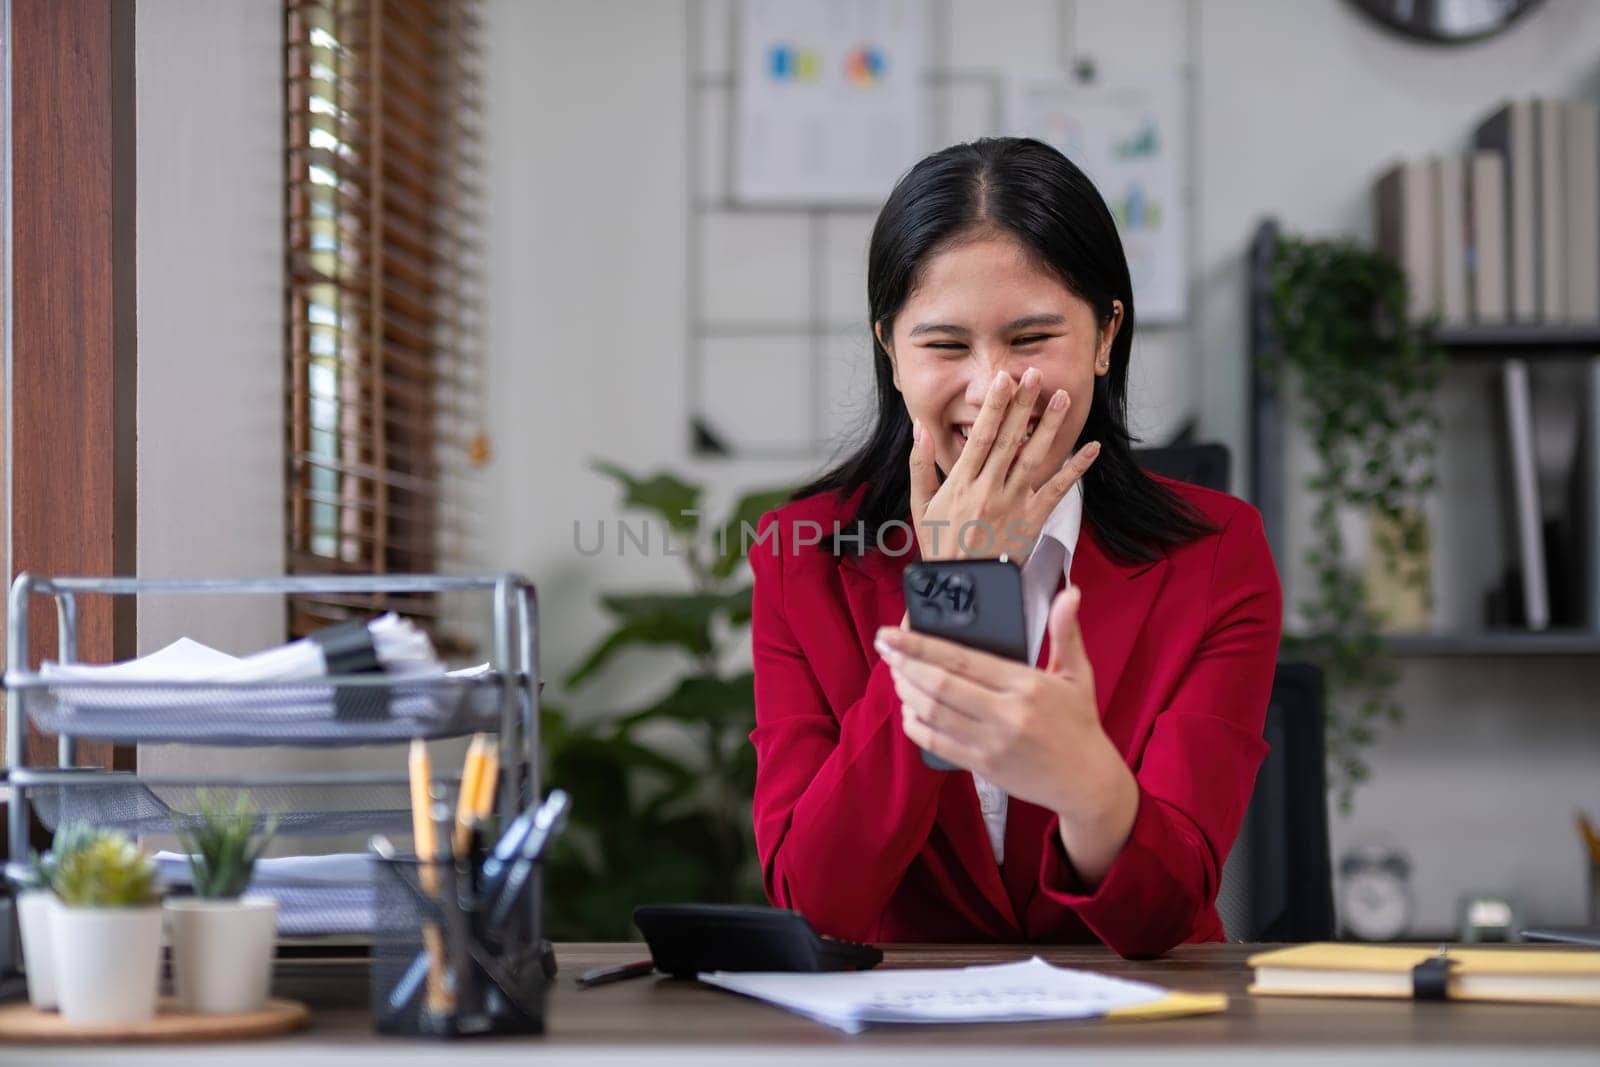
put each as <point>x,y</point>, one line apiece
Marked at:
<point>211,334</point>
<point>1303,105</point>
<point>210,311</point>
<point>1296,108</point>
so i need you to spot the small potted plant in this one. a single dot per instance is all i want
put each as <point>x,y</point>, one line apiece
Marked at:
<point>106,930</point>
<point>222,940</point>
<point>35,902</point>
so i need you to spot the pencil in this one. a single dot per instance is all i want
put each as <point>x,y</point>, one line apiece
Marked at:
<point>472,773</point>
<point>483,804</point>
<point>422,830</point>
<point>427,848</point>
<point>1590,837</point>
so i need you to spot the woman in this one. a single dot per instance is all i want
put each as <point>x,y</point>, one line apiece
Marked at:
<point>1108,780</point>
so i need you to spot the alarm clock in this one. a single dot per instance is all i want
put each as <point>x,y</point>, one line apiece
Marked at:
<point>1375,899</point>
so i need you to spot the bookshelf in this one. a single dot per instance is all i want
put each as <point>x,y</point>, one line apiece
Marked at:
<point>1527,340</point>
<point>1268,479</point>
<point>1495,643</point>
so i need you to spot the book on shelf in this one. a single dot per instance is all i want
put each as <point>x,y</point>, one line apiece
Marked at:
<point>1587,484</point>
<point>1526,515</point>
<point>1488,290</point>
<point>1520,975</point>
<point>1558,416</point>
<point>1405,212</point>
<point>1512,132</point>
<point>1550,234</point>
<point>1582,215</point>
<point>1450,236</point>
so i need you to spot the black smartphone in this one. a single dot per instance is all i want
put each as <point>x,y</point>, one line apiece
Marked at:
<point>973,602</point>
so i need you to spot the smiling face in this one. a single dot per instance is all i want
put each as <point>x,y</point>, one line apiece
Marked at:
<point>983,306</point>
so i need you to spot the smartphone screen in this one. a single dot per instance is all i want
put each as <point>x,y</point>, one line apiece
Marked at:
<point>973,602</point>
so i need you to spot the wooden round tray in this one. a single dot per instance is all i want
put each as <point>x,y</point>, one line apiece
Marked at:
<point>25,1023</point>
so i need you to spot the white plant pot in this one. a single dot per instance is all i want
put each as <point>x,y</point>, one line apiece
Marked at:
<point>222,952</point>
<point>108,963</point>
<point>34,908</point>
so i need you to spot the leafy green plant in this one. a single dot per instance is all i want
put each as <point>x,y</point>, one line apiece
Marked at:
<point>223,843</point>
<point>1366,378</point>
<point>661,794</point>
<point>42,866</point>
<point>107,870</point>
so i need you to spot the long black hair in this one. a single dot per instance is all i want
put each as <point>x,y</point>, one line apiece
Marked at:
<point>1030,191</point>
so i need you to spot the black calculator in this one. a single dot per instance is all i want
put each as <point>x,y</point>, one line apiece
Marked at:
<point>686,939</point>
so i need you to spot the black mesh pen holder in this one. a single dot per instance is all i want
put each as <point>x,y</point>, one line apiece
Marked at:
<point>448,963</point>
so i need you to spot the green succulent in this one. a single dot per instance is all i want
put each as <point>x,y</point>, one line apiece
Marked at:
<point>41,866</point>
<point>223,843</point>
<point>108,870</point>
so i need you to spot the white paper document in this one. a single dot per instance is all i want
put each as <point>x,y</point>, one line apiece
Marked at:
<point>218,697</point>
<point>329,894</point>
<point>1007,992</point>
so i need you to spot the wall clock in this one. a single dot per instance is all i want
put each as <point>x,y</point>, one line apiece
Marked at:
<point>1447,21</point>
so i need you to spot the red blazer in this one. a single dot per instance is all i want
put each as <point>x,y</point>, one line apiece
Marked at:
<point>869,844</point>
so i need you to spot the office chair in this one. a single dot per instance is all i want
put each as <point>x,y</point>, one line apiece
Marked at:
<point>1277,883</point>
<point>1198,464</point>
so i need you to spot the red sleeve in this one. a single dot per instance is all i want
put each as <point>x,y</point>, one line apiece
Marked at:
<point>1198,768</point>
<point>843,803</point>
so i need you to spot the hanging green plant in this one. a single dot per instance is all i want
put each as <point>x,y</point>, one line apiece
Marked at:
<point>1365,378</point>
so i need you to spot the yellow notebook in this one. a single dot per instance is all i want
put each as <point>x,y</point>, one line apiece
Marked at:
<point>1532,975</point>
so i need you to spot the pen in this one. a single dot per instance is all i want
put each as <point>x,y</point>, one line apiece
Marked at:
<point>498,864</point>
<point>604,975</point>
<point>548,823</point>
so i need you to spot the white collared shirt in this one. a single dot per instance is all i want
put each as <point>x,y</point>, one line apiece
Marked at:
<point>1050,561</point>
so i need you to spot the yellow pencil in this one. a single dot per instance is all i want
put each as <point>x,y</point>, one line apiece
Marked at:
<point>426,838</point>
<point>1590,837</point>
<point>422,831</point>
<point>483,803</point>
<point>472,773</point>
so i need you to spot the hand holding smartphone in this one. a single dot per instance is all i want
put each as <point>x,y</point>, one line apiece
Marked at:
<point>973,602</point>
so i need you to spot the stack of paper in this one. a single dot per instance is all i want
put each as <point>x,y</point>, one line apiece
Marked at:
<point>1009,992</point>
<point>330,894</point>
<point>193,709</point>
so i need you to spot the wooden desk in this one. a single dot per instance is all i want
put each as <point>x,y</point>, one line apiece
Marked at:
<point>667,1021</point>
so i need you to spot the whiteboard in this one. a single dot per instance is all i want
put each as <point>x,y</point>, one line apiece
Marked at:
<point>1129,140</point>
<point>832,103</point>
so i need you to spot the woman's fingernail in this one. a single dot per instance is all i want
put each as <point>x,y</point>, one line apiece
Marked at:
<point>1058,402</point>
<point>888,636</point>
<point>1030,377</point>
<point>999,380</point>
<point>916,431</point>
<point>1093,449</point>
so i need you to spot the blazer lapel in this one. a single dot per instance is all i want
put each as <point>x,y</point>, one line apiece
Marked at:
<point>1116,599</point>
<point>872,589</point>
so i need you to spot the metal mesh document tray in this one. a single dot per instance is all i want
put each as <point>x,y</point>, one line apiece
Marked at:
<point>347,711</point>
<point>350,710</point>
